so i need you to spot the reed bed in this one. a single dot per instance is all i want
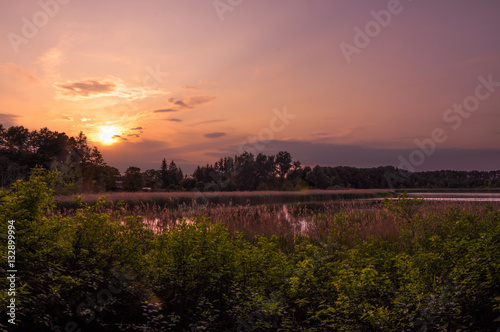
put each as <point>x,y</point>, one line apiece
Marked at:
<point>347,221</point>
<point>175,199</point>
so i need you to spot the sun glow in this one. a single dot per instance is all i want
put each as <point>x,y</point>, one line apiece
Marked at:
<point>107,135</point>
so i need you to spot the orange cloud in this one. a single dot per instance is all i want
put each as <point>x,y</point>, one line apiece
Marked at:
<point>214,135</point>
<point>65,118</point>
<point>93,87</point>
<point>86,88</point>
<point>191,102</point>
<point>166,110</point>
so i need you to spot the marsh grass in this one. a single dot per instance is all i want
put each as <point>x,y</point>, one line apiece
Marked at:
<point>349,222</point>
<point>173,200</point>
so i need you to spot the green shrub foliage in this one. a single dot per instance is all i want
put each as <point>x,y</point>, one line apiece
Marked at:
<point>100,269</point>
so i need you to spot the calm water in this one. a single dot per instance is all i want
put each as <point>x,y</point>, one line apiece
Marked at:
<point>301,215</point>
<point>459,197</point>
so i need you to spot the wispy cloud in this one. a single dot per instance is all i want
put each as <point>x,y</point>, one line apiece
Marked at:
<point>340,134</point>
<point>191,102</point>
<point>189,87</point>
<point>168,110</point>
<point>178,102</point>
<point>94,87</point>
<point>207,122</point>
<point>19,71</point>
<point>214,135</point>
<point>50,63</point>
<point>7,120</point>
<point>136,128</point>
<point>86,88</point>
<point>64,118</point>
<point>174,120</point>
<point>120,137</point>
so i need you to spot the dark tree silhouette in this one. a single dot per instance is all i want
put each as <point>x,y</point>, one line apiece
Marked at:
<point>133,180</point>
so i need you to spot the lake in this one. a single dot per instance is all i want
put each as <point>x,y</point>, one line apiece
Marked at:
<point>458,196</point>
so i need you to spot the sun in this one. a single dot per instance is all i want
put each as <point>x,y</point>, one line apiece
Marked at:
<point>107,135</point>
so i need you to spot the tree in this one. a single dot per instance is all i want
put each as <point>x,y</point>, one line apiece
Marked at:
<point>49,146</point>
<point>174,174</point>
<point>80,149</point>
<point>244,173</point>
<point>318,178</point>
<point>109,176</point>
<point>133,180</point>
<point>164,174</point>
<point>17,138</point>
<point>188,183</point>
<point>264,169</point>
<point>10,171</point>
<point>153,179</point>
<point>2,139</point>
<point>283,163</point>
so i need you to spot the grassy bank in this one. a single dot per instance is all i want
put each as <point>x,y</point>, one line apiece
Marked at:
<point>407,266</point>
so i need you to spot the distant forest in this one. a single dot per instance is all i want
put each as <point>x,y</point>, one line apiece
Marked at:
<point>81,168</point>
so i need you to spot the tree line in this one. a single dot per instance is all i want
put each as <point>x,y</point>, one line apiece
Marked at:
<point>81,168</point>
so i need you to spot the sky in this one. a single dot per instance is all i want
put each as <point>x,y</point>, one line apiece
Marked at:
<point>413,84</point>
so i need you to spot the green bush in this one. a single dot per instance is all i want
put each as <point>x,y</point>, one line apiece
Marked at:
<point>65,261</point>
<point>100,269</point>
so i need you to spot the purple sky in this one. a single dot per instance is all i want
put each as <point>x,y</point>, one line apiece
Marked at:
<point>358,83</point>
